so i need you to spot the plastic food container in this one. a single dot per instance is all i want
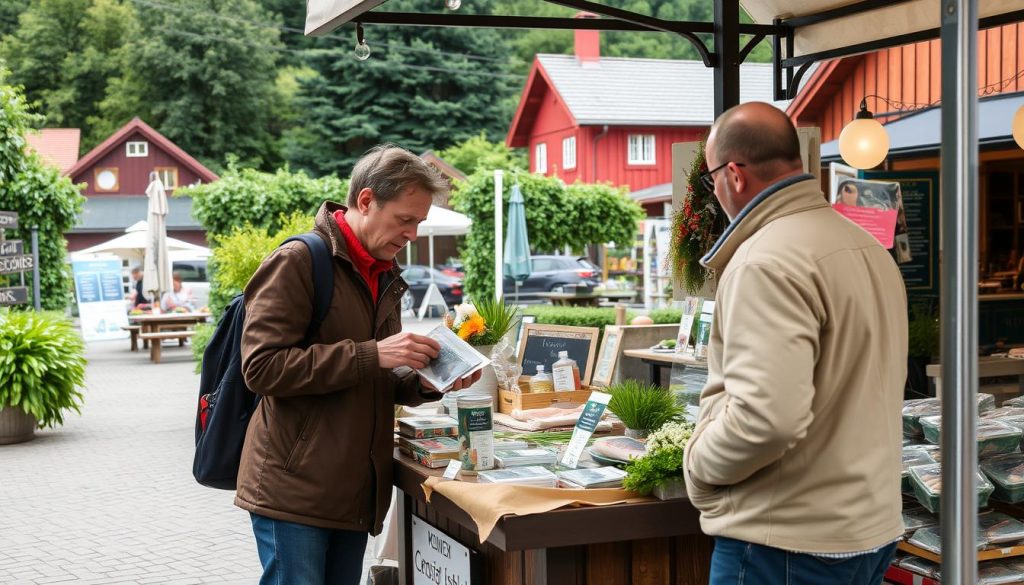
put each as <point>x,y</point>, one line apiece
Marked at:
<point>998,528</point>
<point>920,566</point>
<point>913,455</point>
<point>994,437</point>
<point>915,519</point>
<point>1003,411</point>
<point>927,483</point>
<point>913,410</point>
<point>930,539</point>
<point>1007,475</point>
<point>1018,402</point>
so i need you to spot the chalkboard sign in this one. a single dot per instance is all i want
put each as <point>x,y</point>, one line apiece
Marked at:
<point>540,345</point>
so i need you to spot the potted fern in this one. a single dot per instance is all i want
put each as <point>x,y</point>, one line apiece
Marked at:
<point>40,374</point>
<point>642,407</point>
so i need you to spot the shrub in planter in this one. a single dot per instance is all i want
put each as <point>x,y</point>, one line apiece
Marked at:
<point>41,366</point>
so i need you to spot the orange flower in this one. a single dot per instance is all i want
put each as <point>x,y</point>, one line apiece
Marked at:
<point>471,327</point>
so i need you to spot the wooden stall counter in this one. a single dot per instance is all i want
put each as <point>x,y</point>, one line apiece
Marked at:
<point>646,543</point>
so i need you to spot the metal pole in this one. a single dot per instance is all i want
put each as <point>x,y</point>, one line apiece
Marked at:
<point>959,290</point>
<point>727,55</point>
<point>499,205</point>
<point>36,293</point>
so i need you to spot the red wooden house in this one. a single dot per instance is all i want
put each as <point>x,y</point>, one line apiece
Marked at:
<point>116,174</point>
<point>589,118</point>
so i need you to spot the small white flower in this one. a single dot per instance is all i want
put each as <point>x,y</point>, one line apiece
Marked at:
<point>673,434</point>
<point>464,311</point>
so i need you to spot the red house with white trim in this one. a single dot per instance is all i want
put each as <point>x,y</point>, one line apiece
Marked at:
<point>589,118</point>
<point>116,174</point>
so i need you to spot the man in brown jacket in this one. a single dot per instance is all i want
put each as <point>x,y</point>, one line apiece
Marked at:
<point>315,473</point>
<point>795,460</point>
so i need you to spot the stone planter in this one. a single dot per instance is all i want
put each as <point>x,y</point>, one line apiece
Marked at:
<point>673,489</point>
<point>16,426</point>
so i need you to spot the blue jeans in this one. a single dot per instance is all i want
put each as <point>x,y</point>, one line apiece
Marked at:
<point>735,562</point>
<point>296,554</point>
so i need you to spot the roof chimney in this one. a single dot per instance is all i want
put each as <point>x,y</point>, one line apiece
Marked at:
<point>588,42</point>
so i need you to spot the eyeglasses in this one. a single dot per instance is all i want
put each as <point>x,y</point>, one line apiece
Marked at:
<point>708,181</point>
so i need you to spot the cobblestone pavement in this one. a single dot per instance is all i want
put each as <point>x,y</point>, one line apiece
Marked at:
<point>108,498</point>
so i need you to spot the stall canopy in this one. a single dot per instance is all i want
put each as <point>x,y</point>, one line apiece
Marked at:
<point>444,222</point>
<point>132,245</point>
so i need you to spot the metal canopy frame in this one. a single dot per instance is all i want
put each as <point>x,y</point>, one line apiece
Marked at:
<point>958,29</point>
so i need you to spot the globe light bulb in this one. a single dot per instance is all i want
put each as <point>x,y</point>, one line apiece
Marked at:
<point>452,4</point>
<point>1018,127</point>
<point>864,143</point>
<point>362,51</point>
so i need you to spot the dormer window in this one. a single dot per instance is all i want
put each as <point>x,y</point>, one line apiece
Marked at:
<point>137,149</point>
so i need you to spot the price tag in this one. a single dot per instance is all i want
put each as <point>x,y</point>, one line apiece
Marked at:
<point>454,466</point>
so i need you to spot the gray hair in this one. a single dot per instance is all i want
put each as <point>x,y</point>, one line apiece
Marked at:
<point>388,170</point>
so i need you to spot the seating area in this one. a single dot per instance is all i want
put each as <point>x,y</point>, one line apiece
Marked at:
<point>156,339</point>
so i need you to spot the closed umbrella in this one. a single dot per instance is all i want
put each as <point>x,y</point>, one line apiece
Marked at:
<point>517,241</point>
<point>156,265</point>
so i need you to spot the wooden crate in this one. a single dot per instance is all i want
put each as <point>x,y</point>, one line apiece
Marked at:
<point>525,400</point>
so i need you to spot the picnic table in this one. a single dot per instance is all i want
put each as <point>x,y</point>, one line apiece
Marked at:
<point>591,299</point>
<point>156,328</point>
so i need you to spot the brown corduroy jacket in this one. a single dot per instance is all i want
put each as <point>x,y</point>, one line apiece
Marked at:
<point>318,450</point>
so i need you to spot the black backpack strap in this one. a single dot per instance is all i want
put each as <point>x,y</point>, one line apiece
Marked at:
<point>323,279</point>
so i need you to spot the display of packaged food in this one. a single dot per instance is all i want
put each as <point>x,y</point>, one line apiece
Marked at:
<point>619,448</point>
<point>920,566</point>
<point>1017,402</point>
<point>998,573</point>
<point>1003,411</point>
<point>433,452</point>
<point>533,476</point>
<point>425,427</point>
<point>598,477</point>
<point>913,455</point>
<point>1007,475</point>
<point>927,483</point>
<point>994,437</point>
<point>1014,420</point>
<point>917,518</point>
<point>999,528</point>
<point>913,410</point>
<point>930,539</point>
<point>986,402</point>
<point>520,457</point>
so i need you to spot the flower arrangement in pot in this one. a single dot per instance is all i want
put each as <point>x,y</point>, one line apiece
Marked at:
<point>41,371</point>
<point>660,471</point>
<point>483,324</point>
<point>642,407</point>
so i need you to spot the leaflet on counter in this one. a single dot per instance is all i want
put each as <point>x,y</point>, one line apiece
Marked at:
<point>456,360</point>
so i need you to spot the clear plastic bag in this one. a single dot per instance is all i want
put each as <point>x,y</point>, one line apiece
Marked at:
<point>1007,475</point>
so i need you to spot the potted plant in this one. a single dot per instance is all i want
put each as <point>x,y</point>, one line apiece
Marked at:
<point>483,324</point>
<point>40,374</point>
<point>642,407</point>
<point>660,471</point>
<point>922,345</point>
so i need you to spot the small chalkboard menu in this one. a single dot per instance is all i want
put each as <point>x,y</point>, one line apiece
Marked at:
<point>540,344</point>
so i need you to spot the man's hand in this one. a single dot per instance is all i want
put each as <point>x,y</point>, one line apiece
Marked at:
<point>406,349</point>
<point>458,385</point>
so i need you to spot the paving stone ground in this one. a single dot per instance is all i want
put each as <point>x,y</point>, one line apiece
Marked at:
<point>108,498</point>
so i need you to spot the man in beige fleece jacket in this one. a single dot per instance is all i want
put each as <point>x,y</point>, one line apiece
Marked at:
<point>795,461</point>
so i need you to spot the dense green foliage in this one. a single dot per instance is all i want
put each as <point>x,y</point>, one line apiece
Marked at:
<point>650,471</point>
<point>642,407</point>
<point>248,197</point>
<point>43,366</point>
<point>476,153</point>
<point>38,194</point>
<point>594,317</point>
<point>556,216</point>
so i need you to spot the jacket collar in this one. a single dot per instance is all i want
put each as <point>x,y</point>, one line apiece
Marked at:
<point>788,196</point>
<point>325,224</point>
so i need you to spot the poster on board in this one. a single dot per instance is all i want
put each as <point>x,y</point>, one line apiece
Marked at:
<point>101,302</point>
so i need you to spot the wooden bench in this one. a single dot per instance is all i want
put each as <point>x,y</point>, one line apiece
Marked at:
<point>133,330</point>
<point>157,341</point>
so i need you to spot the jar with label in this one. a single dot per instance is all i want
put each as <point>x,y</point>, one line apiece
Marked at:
<point>566,373</point>
<point>541,381</point>
<point>476,433</point>
<point>700,348</point>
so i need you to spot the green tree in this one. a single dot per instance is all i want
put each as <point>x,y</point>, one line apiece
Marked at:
<point>64,53</point>
<point>421,88</point>
<point>9,12</point>
<point>203,73</point>
<point>556,216</point>
<point>39,195</point>
<point>478,153</point>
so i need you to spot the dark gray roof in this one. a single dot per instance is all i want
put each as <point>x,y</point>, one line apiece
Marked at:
<point>656,92</point>
<point>107,214</point>
<point>654,193</point>
<point>921,131</point>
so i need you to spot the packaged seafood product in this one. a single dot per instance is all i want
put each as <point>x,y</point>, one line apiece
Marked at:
<point>998,528</point>
<point>930,539</point>
<point>927,484</point>
<point>913,410</point>
<point>1007,475</point>
<point>913,455</point>
<point>917,518</point>
<point>994,437</point>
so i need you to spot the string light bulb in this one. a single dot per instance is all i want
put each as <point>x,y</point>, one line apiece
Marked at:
<point>452,4</point>
<point>362,50</point>
<point>1018,127</point>
<point>864,143</point>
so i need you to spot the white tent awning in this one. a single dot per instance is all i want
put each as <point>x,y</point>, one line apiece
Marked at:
<point>444,222</point>
<point>132,246</point>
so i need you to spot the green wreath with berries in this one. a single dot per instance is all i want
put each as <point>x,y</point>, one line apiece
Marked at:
<point>695,228</point>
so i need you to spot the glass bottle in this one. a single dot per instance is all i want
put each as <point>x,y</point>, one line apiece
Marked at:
<point>541,381</point>
<point>566,373</point>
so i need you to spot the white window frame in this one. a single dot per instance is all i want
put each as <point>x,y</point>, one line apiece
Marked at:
<point>641,149</point>
<point>165,173</point>
<point>569,153</point>
<point>540,157</point>
<point>138,149</point>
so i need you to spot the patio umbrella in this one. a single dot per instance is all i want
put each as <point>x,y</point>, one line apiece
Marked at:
<point>517,241</point>
<point>156,265</point>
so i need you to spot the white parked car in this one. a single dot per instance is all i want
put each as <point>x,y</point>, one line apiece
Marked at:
<point>193,276</point>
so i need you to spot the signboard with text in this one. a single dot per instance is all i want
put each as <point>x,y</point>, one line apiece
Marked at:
<point>920,192</point>
<point>101,302</point>
<point>8,220</point>
<point>14,295</point>
<point>438,559</point>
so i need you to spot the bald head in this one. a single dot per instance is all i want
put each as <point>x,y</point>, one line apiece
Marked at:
<point>760,136</point>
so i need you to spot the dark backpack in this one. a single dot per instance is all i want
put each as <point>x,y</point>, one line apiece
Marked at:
<point>225,403</point>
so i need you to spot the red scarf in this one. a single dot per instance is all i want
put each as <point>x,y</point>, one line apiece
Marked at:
<point>368,267</point>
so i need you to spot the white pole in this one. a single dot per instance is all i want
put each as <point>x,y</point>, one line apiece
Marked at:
<point>430,236</point>
<point>499,205</point>
<point>408,254</point>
